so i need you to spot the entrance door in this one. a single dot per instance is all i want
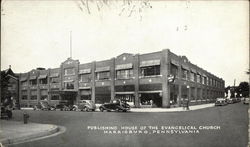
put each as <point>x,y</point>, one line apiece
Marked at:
<point>69,97</point>
<point>153,99</point>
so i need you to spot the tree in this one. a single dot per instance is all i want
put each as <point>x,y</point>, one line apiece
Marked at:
<point>5,93</point>
<point>243,89</point>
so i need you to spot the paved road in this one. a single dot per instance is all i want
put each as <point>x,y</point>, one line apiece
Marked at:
<point>231,119</point>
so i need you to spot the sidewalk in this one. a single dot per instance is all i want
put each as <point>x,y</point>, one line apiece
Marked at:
<point>177,109</point>
<point>12,132</point>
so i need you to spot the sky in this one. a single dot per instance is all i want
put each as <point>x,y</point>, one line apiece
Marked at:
<point>212,34</point>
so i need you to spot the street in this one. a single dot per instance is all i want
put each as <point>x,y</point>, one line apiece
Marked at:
<point>222,126</point>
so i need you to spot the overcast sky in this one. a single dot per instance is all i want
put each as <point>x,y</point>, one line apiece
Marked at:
<point>213,35</point>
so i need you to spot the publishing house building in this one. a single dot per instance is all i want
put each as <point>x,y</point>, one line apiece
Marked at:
<point>158,79</point>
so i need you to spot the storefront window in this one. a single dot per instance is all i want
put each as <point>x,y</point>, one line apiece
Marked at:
<point>103,75</point>
<point>69,71</point>
<point>124,74</point>
<point>150,71</point>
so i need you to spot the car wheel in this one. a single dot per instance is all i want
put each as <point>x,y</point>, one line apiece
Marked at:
<point>101,109</point>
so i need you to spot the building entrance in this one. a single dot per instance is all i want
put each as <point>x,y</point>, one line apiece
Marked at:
<point>151,100</point>
<point>70,97</point>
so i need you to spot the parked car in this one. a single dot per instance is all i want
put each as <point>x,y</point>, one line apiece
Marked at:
<point>43,105</point>
<point>246,100</point>
<point>220,102</point>
<point>64,106</point>
<point>85,105</point>
<point>115,105</point>
<point>229,100</point>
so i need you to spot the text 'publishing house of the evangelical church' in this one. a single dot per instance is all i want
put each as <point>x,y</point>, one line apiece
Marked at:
<point>159,79</point>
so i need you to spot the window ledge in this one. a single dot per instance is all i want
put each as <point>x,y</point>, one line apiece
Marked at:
<point>153,76</point>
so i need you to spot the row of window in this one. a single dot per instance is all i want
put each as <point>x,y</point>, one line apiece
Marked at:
<point>194,77</point>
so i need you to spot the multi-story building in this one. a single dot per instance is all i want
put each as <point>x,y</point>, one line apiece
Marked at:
<point>161,79</point>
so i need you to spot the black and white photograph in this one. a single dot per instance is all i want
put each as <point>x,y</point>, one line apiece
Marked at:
<point>124,73</point>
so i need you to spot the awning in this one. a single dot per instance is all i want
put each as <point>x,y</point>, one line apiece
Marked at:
<point>193,70</point>
<point>204,75</point>
<point>32,77</point>
<point>124,66</point>
<point>153,91</point>
<point>176,63</point>
<point>85,92</point>
<point>62,92</point>
<point>106,68</point>
<point>53,75</point>
<point>85,87</point>
<point>199,73</point>
<point>42,77</point>
<point>66,81</point>
<point>125,92</point>
<point>84,71</point>
<point>185,67</point>
<point>150,63</point>
<point>23,79</point>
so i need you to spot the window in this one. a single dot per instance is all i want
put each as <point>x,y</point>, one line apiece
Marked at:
<point>69,71</point>
<point>184,74</point>
<point>33,82</point>
<point>192,76</point>
<point>174,70</point>
<point>198,78</point>
<point>85,97</point>
<point>150,70</point>
<point>33,97</point>
<point>55,80</point>
<point>24,97</point>
<point>24,83</point>
<point>43,81</point>
<point>103,75</point>
<point>54,97</point>
<point>85,78</point>
<point>124,74</point>
<point>43,97</point>
<point>69,85</point>
<point>203,80</point>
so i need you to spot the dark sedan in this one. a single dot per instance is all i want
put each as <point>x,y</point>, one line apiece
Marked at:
<point>115,105</point>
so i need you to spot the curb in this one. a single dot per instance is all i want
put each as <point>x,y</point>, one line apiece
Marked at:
<point>26,138</point>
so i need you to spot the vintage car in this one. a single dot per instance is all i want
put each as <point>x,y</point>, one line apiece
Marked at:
<point>64,106</point>
<point>246,100</point>
<point>85,105</point>
<point>115,105</point>
<point>229,100</point>
<point>220,102</point>
<point>43,105</point>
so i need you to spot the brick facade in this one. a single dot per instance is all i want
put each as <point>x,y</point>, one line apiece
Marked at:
<point>141,80</point>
